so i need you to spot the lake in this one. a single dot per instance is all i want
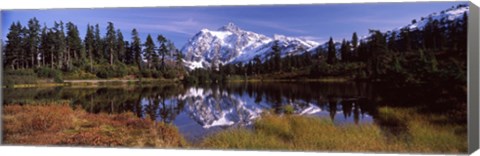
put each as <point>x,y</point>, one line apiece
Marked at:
<point>201,110</point>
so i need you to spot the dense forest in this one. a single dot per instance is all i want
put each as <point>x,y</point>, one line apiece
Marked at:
<point>435,53</point>
<point>59,52</point>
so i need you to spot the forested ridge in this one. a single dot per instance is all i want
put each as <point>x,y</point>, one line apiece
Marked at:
<point>436,53</point>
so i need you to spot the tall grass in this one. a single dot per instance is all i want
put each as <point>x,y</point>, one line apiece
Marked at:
<point>59,124</point>
<point>290,132</point>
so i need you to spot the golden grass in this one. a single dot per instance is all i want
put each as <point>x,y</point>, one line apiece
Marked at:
<point>428,133</point>
<point>290,132</point>
<point>59,124</point>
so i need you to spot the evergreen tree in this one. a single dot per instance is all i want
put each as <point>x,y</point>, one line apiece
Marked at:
<point>331,56</point>
<point>149,51</point>
<point>89,42</point>
<point>74,43</point>
<point>344,51</point>
<point>33,41</point>
<point>307,58</point>
<point>258,63</point>
<point>354,45</point>
<point>379,60</point>
<point>51,41</point>
<point>13,46</point>
<point>163,50</point>
<point>44,45</point>
<point>129,55</point>
<point>111,40</point>
<point>98,46</point>
<point>392,45</point>
<point>60,44</point>
<point>463,34</point>
<point>136,49</point>
<point>121,51</point>
<point>276,57</point>
<point>23,55</point>
<point>406,41</point>
<point>179,58</point>
<point>249,68</point>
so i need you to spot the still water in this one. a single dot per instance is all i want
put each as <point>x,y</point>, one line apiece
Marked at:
<point>205,109</point>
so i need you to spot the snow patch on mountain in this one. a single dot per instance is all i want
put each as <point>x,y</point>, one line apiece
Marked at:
<point>231,44</point>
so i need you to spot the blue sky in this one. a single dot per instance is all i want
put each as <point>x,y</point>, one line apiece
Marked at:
<point>315,22</point>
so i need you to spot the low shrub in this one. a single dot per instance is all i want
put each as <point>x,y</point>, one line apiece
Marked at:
<point>23,76</point>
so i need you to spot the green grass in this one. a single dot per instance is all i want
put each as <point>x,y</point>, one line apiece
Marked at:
<point>290,132</point>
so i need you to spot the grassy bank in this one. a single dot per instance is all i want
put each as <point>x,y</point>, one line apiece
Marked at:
<point>273,132</point>
<point>59,124</point>
<point>394,130</point>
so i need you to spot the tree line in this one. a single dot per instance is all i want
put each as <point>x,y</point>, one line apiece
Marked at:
<point>62,49</point>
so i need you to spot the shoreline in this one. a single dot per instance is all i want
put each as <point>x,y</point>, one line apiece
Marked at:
<point>90,82</point>
<point>97,82</point>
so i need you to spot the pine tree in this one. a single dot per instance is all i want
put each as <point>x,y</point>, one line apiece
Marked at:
<point>111,40</point>
<point>276,57</point>
<point>121,51</point>
<point>129,55</point>
<point>354,45</point>
<point>331,58</point>
<point>98,46</point>
<point>179,58</point>
<point>258,65</point>
<point>60,44</point>
<point>23,55</point>
<point>33,41</point>
<point>136,49</point>
<point>51,41</point>
<point>149,51</point>
<point>344,51</point>
<point>89,42</point>
<point>74,43</point>
<point>44,45</point>
<point>378,61</point>
<point>163,50</point>
<point>13,46</point>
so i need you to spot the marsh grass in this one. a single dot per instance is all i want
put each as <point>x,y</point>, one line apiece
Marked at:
<point>59,124</point>
<point>431,133</point>
<point>291,132</point>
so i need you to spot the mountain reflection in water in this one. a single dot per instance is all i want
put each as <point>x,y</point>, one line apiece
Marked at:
<point>201,110</point>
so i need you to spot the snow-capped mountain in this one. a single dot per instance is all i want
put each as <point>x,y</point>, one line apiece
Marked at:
<point>231,44</point>
<point>444,16</point>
